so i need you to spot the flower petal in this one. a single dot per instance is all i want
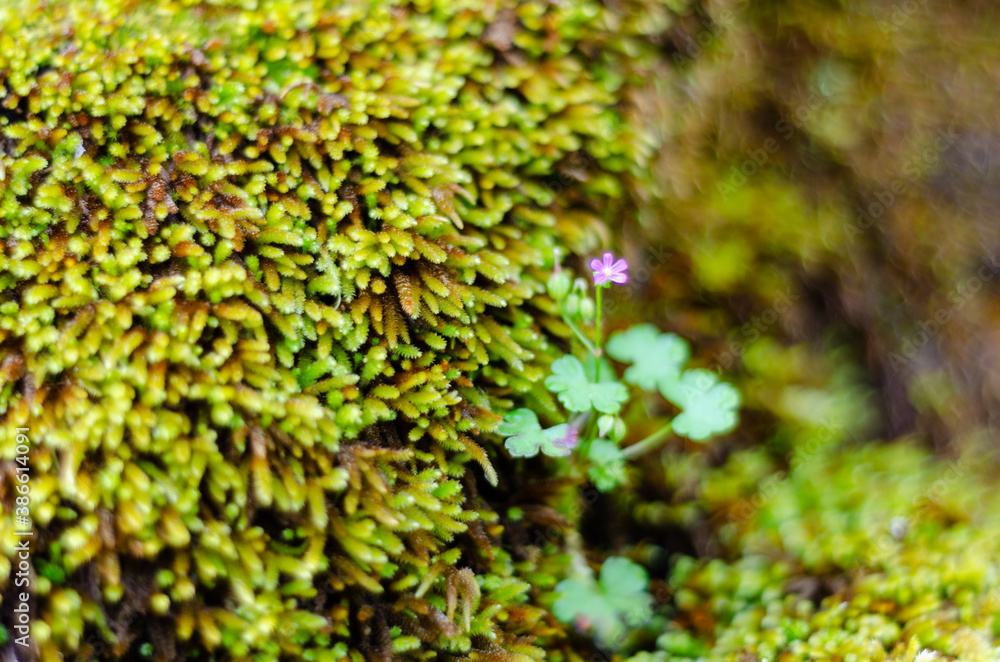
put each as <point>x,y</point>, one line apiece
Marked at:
<point>570,441</point>
<point>600,277</point>
<point>596,264</point>
<point>620,265</point>
<point>621,279</point>
<point>609,259</point>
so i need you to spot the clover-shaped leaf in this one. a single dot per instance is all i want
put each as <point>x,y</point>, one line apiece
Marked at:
<point>608,469</point>
<point>569,382</point>
<point>655,356</point>
<point>525,437</point>
<point>607,371</point>
<point>618,600</point>
<point>709,406</point>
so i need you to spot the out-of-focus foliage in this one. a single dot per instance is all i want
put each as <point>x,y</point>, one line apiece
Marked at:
<point>617,600</point>
<point>856,554</point>
<point>821,223</point>
<point>827,174</point>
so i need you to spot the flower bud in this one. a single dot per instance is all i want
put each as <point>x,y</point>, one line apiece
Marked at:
<point>611,428</point>
<point>604,424</point>
<point>571,306</point>
<point>618,431</point>
<point>587,308</point>
<point>558,285</point>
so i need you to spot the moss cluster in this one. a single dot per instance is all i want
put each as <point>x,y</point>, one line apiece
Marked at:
<point>267,271</point>
<point>876,553</point>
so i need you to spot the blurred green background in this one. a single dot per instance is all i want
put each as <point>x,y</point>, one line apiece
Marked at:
<point>824,207</point>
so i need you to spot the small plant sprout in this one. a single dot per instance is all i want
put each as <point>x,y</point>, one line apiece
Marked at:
<point>595,397</point>
<point>593,425</point>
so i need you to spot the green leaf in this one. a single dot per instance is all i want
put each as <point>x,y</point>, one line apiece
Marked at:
<point>709,406</point>
<point>617,601</point>
<point>608,470</point>
<point>569,382</point>
<point>681,644</point>
<point>518,421</point>
<point>622,579</point>
<point>607,370</point>
<point>51,571</point>
<point>655,356</point>
<point>526,437</point>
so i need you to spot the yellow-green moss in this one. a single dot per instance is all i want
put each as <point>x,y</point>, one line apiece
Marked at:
<point>866,554</point>
<point>267,270</point>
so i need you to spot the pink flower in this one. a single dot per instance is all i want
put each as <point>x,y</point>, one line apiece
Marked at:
<point>570,441</point>
<point>607,269</point>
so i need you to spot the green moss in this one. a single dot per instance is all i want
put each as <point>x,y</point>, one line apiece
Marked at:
<point>268,271</point>
<point>864,554</point>
<point>271,272</point>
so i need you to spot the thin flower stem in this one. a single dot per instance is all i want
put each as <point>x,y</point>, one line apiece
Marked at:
<point>587,436</point>
<point>649,443</point>
<point>579,334</point>
<point>597,335</point>
<point>584,423</point>
<point>578,566</point>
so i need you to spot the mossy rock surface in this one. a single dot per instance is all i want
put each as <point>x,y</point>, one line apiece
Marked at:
<point>271,272</point>
<point>268,273</point>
